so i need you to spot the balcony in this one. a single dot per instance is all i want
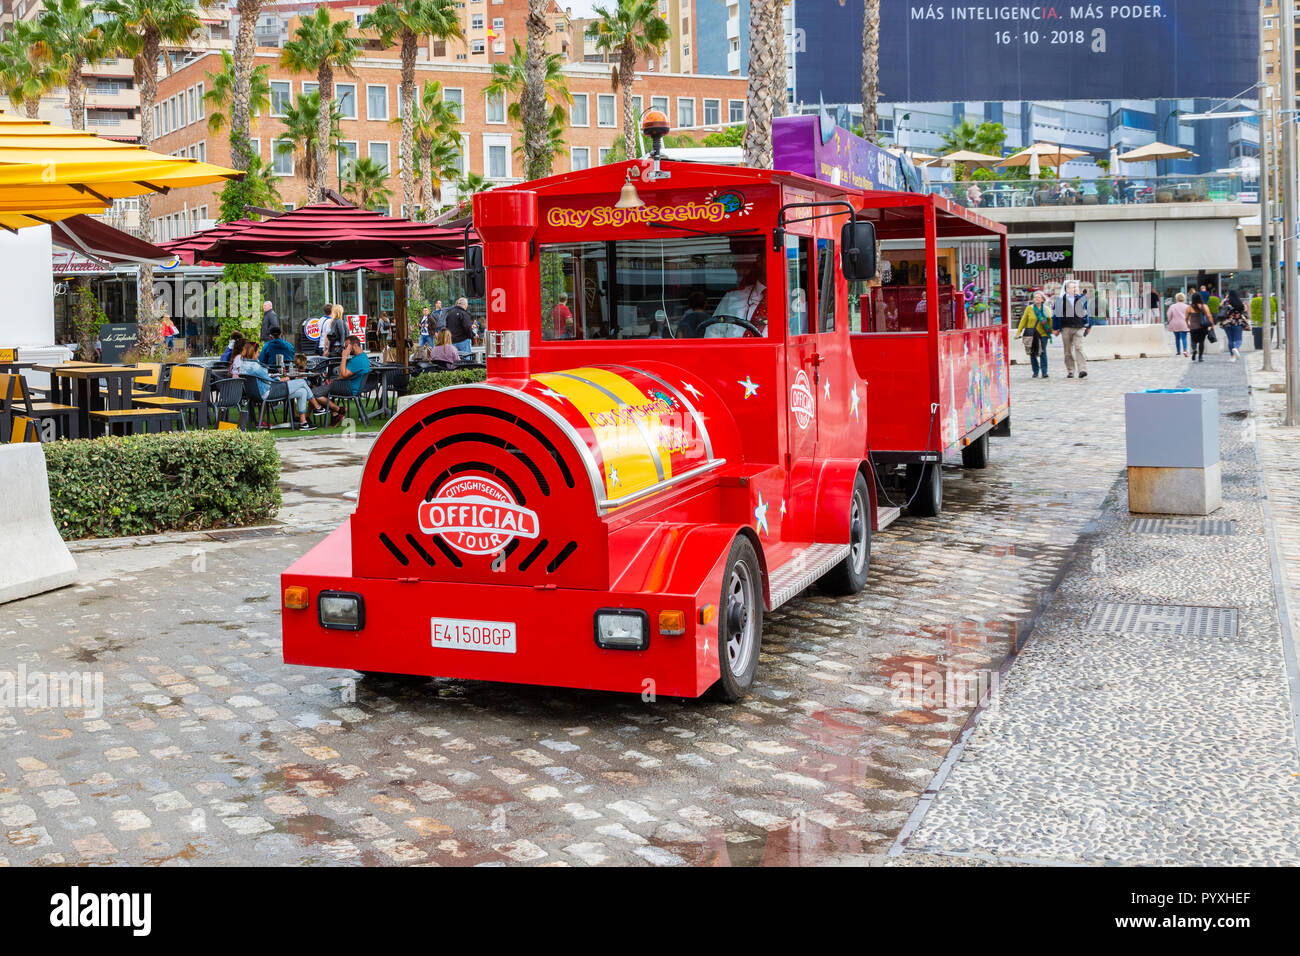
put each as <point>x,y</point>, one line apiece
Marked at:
<point>733,62</point>
<point>110,98</point>
<point>1109,191</point>
<point>114,127</point>
<point>119,66</point>
<point>733,29</point>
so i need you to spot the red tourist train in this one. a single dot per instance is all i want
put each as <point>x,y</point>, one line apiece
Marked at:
<point>703,384</point>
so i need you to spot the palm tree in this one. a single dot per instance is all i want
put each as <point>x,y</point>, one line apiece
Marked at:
<point>367,184</point>
<point>433,126</point>
<point>870,68</point>
<point>67,38</point>
<point>242,104</point>
<point>262,184</point>
<point>510,79</point>
<point>471,183</point>
<point>144,30</point>
<point>766,47</point>
<point>407,21</point>
<point>301,131</point>
<point>988,137</point>
<point>533,100</point>
<point>632,29</point>
<point>22,78</point>
<point>321,46</point>
<point>221,94</point>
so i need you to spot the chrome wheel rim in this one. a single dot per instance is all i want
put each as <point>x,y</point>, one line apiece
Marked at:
<point>858,535</point>
<point>742,623</point>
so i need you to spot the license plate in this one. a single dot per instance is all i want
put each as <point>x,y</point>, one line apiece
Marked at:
<point>461,635</point>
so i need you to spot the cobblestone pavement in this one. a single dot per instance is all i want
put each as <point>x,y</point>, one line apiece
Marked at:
<point>1144,748</point>
<point>211,750</point>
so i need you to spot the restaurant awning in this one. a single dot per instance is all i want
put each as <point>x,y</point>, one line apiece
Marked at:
<point>385,266</point>
<point>323,233</point>
<point>49,173</point>
<point>98,240</point>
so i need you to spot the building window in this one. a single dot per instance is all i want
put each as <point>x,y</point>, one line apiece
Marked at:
<point>345,94</point>
<point>377,102</point>
<point>203,151</point>
<point>637,105</point>
<point>478,46</point>
<point>454,97</point>
<point>498,23</point>
<point>476,21</point>
<point>256,144</point>
<point>347,157</point>
<point>496,108</point>
<point>605,110</point>
<point>191,111</point>
<point>499,46</point>
<point>280,93</point>
<point>735,111</point>
<point>379,153</point>
<point>282,162</point>
<point>581,158</point>
<point>604,155</point>
<point>309,87</point>
<point>498,161</point>
<point>659,103</point>
<point>579,111</point>
<point>685,112</point>
<point>712,112</point>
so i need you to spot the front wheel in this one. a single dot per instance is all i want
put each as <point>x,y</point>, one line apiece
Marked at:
<point>976,454</point>
<point>850,575</point>
<point>740,622</point>
<point>924,483</point>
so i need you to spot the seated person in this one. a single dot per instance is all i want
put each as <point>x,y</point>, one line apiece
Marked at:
<point>299,391</point>
<point>443,350</point>
<point>353,368</point>
<point>276,348</point>
<point>748,301</point>
<point>688,324</point>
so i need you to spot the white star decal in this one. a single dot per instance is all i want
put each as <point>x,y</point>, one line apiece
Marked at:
<point>749,385</point>
<point>782,507</point>
<point>691,388</point>
<point>760,515</point>
<point>613,478</point>
<point>552,393</point>
<point>827,390</point>
<point>853,397</point>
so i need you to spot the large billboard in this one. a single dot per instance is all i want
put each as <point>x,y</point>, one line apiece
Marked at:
<point>1029,51</point>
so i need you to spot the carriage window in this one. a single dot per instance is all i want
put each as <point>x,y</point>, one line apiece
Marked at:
<point>670,288</point>
<point>798,283</point>
<point>826,298</point>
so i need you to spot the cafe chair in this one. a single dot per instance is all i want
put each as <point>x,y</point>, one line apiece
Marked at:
<point>341,394</point>
<point>228,393</point>
<point>277,396</point>
<point>185,391</point>
<point>148,385</point>
<point>16,399</point>
<point>23,430</point>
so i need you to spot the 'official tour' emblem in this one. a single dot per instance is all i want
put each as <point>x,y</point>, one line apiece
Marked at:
<point>801,399</point>
<point>476,515</point>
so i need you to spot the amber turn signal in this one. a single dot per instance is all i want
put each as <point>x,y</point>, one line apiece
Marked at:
<point>672,623</point>
<point>707,613</point>
<point>295,598</point>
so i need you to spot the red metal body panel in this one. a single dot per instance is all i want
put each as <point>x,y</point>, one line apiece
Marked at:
<point>615,473</point>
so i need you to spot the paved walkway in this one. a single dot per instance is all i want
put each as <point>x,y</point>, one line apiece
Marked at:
<point>1148,748</point>
<point>210,749</point>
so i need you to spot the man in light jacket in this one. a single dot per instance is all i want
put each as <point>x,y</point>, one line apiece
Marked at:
<point>1072,318</point>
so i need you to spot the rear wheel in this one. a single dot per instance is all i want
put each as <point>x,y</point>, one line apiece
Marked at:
<point>925,488</point>
<point>740,622</point>
<point>976,454</point>
<point>850,575</point>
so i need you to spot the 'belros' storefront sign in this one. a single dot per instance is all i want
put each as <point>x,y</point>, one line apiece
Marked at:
<point>1042,257</point>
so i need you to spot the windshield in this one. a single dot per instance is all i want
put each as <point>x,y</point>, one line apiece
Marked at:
<point>672,288</point>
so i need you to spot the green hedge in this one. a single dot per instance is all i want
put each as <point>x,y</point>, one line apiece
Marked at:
<point>175,481</point>
<point>432,381</point>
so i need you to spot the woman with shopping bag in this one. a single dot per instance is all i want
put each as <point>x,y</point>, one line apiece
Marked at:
<point>1035,331</point>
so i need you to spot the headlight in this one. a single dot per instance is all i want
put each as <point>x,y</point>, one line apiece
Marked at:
<point>341,611</point>
<point>622,629</point>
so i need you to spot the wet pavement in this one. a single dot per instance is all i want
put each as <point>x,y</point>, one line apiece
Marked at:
<point>211,750</point>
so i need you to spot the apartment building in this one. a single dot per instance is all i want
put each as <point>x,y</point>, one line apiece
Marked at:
<point>370,127</point>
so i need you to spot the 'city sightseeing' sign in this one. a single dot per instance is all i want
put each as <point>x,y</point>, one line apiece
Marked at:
<point>642,215</point>
<point>476,515</point>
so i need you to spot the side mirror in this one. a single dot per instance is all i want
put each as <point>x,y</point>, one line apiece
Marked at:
<point>858,250</point>
<point>475,275</point>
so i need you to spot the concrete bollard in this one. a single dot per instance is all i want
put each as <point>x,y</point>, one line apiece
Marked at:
<point>36,559</point>
<point>1173,451</point>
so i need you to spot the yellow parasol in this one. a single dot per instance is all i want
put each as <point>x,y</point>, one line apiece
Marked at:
<point>1048,154</point>
<point>968,157</point>
<point>48,173</point>
<point>1155,151</point>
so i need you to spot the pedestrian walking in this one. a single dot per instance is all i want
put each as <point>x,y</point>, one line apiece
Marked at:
<point>461,327</point>
<point>1178,324</point>
<point>426,331</point>
<point>1201,324</point>
<point>1035,331</point>
<point>1072,317</point>
<point>1235,320</point>
<point>269,319</point>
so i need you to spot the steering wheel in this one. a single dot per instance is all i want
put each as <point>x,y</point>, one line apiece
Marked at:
<point>750,328</point>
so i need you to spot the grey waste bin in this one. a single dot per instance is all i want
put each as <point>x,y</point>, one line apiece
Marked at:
<point>1172,435</point>
<point>1257,333</point>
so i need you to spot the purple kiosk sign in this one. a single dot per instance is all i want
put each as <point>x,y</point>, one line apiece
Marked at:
<point>809,145</point>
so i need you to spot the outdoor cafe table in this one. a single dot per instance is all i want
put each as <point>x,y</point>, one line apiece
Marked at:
<point>78,384</point>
